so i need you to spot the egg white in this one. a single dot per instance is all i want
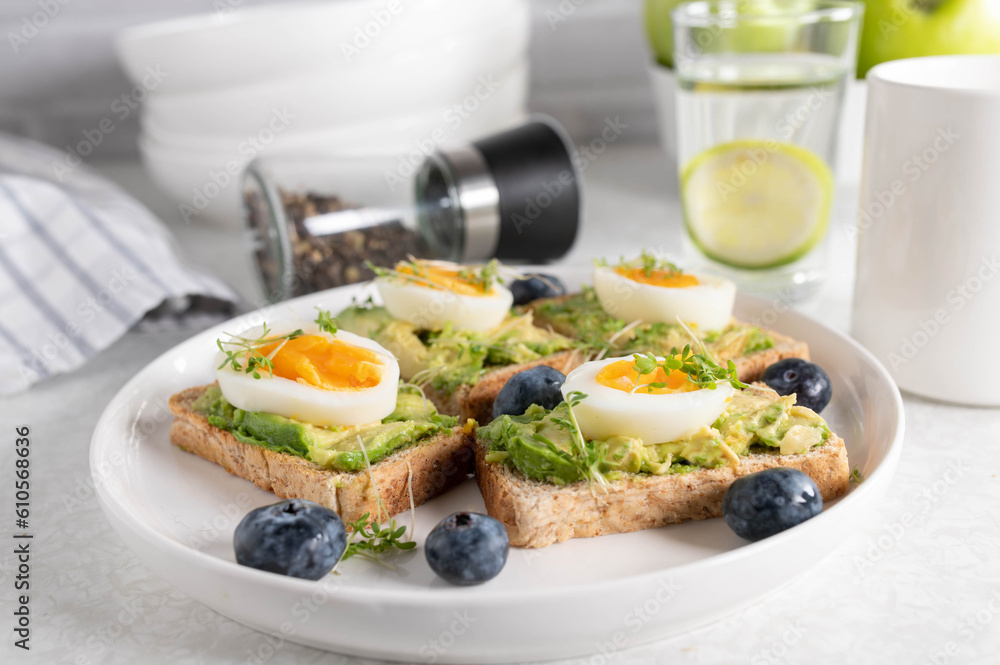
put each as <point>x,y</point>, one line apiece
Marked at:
<point>709,305</point>
<point>653,418</point>
<point>305,403</point>
<point>430,309</point>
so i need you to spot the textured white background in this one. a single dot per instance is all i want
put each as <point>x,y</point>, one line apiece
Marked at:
<point>891,594</point>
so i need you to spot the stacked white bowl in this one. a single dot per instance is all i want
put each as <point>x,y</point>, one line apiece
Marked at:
<point>344,77</point>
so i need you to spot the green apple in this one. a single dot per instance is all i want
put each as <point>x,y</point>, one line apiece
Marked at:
<point>897,29</point>
<point>659,29</point>
<point>770,34</point>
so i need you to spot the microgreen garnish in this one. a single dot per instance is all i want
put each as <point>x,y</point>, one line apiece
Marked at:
<point>856,475</point>
<point>325,321</point>
<point>482,277</point>
<point>588,457</point>
<point>243,350</point>
<point>375,539</point>
<point>700,368</point>
<point>647,262</point>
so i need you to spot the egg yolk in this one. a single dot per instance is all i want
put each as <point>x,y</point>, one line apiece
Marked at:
<point>622,376</point>
<point>323,363</point>
<point>432,276</point>
<point>668,278</point>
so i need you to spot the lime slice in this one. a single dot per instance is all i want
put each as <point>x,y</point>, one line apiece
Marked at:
<point>756,203</point>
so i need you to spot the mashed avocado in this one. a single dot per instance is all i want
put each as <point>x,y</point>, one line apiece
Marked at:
<point>581,317</point>
<point>541,444</point>
<point>449,358</point>
<point>413,421</point>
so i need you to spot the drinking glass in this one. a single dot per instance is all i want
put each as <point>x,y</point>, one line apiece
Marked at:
<point>760,87</point>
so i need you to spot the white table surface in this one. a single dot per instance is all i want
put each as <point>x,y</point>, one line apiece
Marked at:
<point>919,583</point>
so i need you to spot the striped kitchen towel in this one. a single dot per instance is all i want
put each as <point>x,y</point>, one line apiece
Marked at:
<point>81,263</point>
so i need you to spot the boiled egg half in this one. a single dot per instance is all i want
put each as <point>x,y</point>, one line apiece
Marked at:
<point>662,295</point>
<point>319,378</point>
<point>430,294</point>
<point>658,407</point>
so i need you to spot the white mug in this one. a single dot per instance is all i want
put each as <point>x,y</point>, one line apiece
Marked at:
<point>927,295</point>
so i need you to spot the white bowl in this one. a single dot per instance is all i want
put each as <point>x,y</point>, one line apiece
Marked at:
<point>210,51</point>
<point>200,173</point>
<point>376,133</point>
<point>452,117</point>
<point>335,100</point>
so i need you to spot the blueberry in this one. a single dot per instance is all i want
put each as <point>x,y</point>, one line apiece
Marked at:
<point>534,286</point>
<point>768,502</point>
<point>295,538</point>
<point>467,548</point>
<point>539,385</point>
<point>809,382</point>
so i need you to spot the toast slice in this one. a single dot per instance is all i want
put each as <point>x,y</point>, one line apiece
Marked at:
<point>476,401</point>
<point>437,465</point>
<point>538,514</point>
<point>749,367</point>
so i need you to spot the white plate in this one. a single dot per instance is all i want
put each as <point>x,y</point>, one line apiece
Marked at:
<point>178,512</point>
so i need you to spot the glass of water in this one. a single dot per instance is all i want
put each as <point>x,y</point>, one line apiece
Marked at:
<point>760,87</point>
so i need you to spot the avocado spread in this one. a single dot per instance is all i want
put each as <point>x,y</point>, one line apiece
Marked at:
<point>414,420</point>
<point>582,318</point>
<point>449,358</point>
<point>541,444</point>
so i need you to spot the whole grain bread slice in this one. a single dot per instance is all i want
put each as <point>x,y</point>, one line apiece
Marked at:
<point>436,466</point>
<point>538,514</point>
<point>476,401</point>
<point>749,367</point>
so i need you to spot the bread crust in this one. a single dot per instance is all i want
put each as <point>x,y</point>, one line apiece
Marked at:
<point>538,514</point>
<point>437,466</point>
